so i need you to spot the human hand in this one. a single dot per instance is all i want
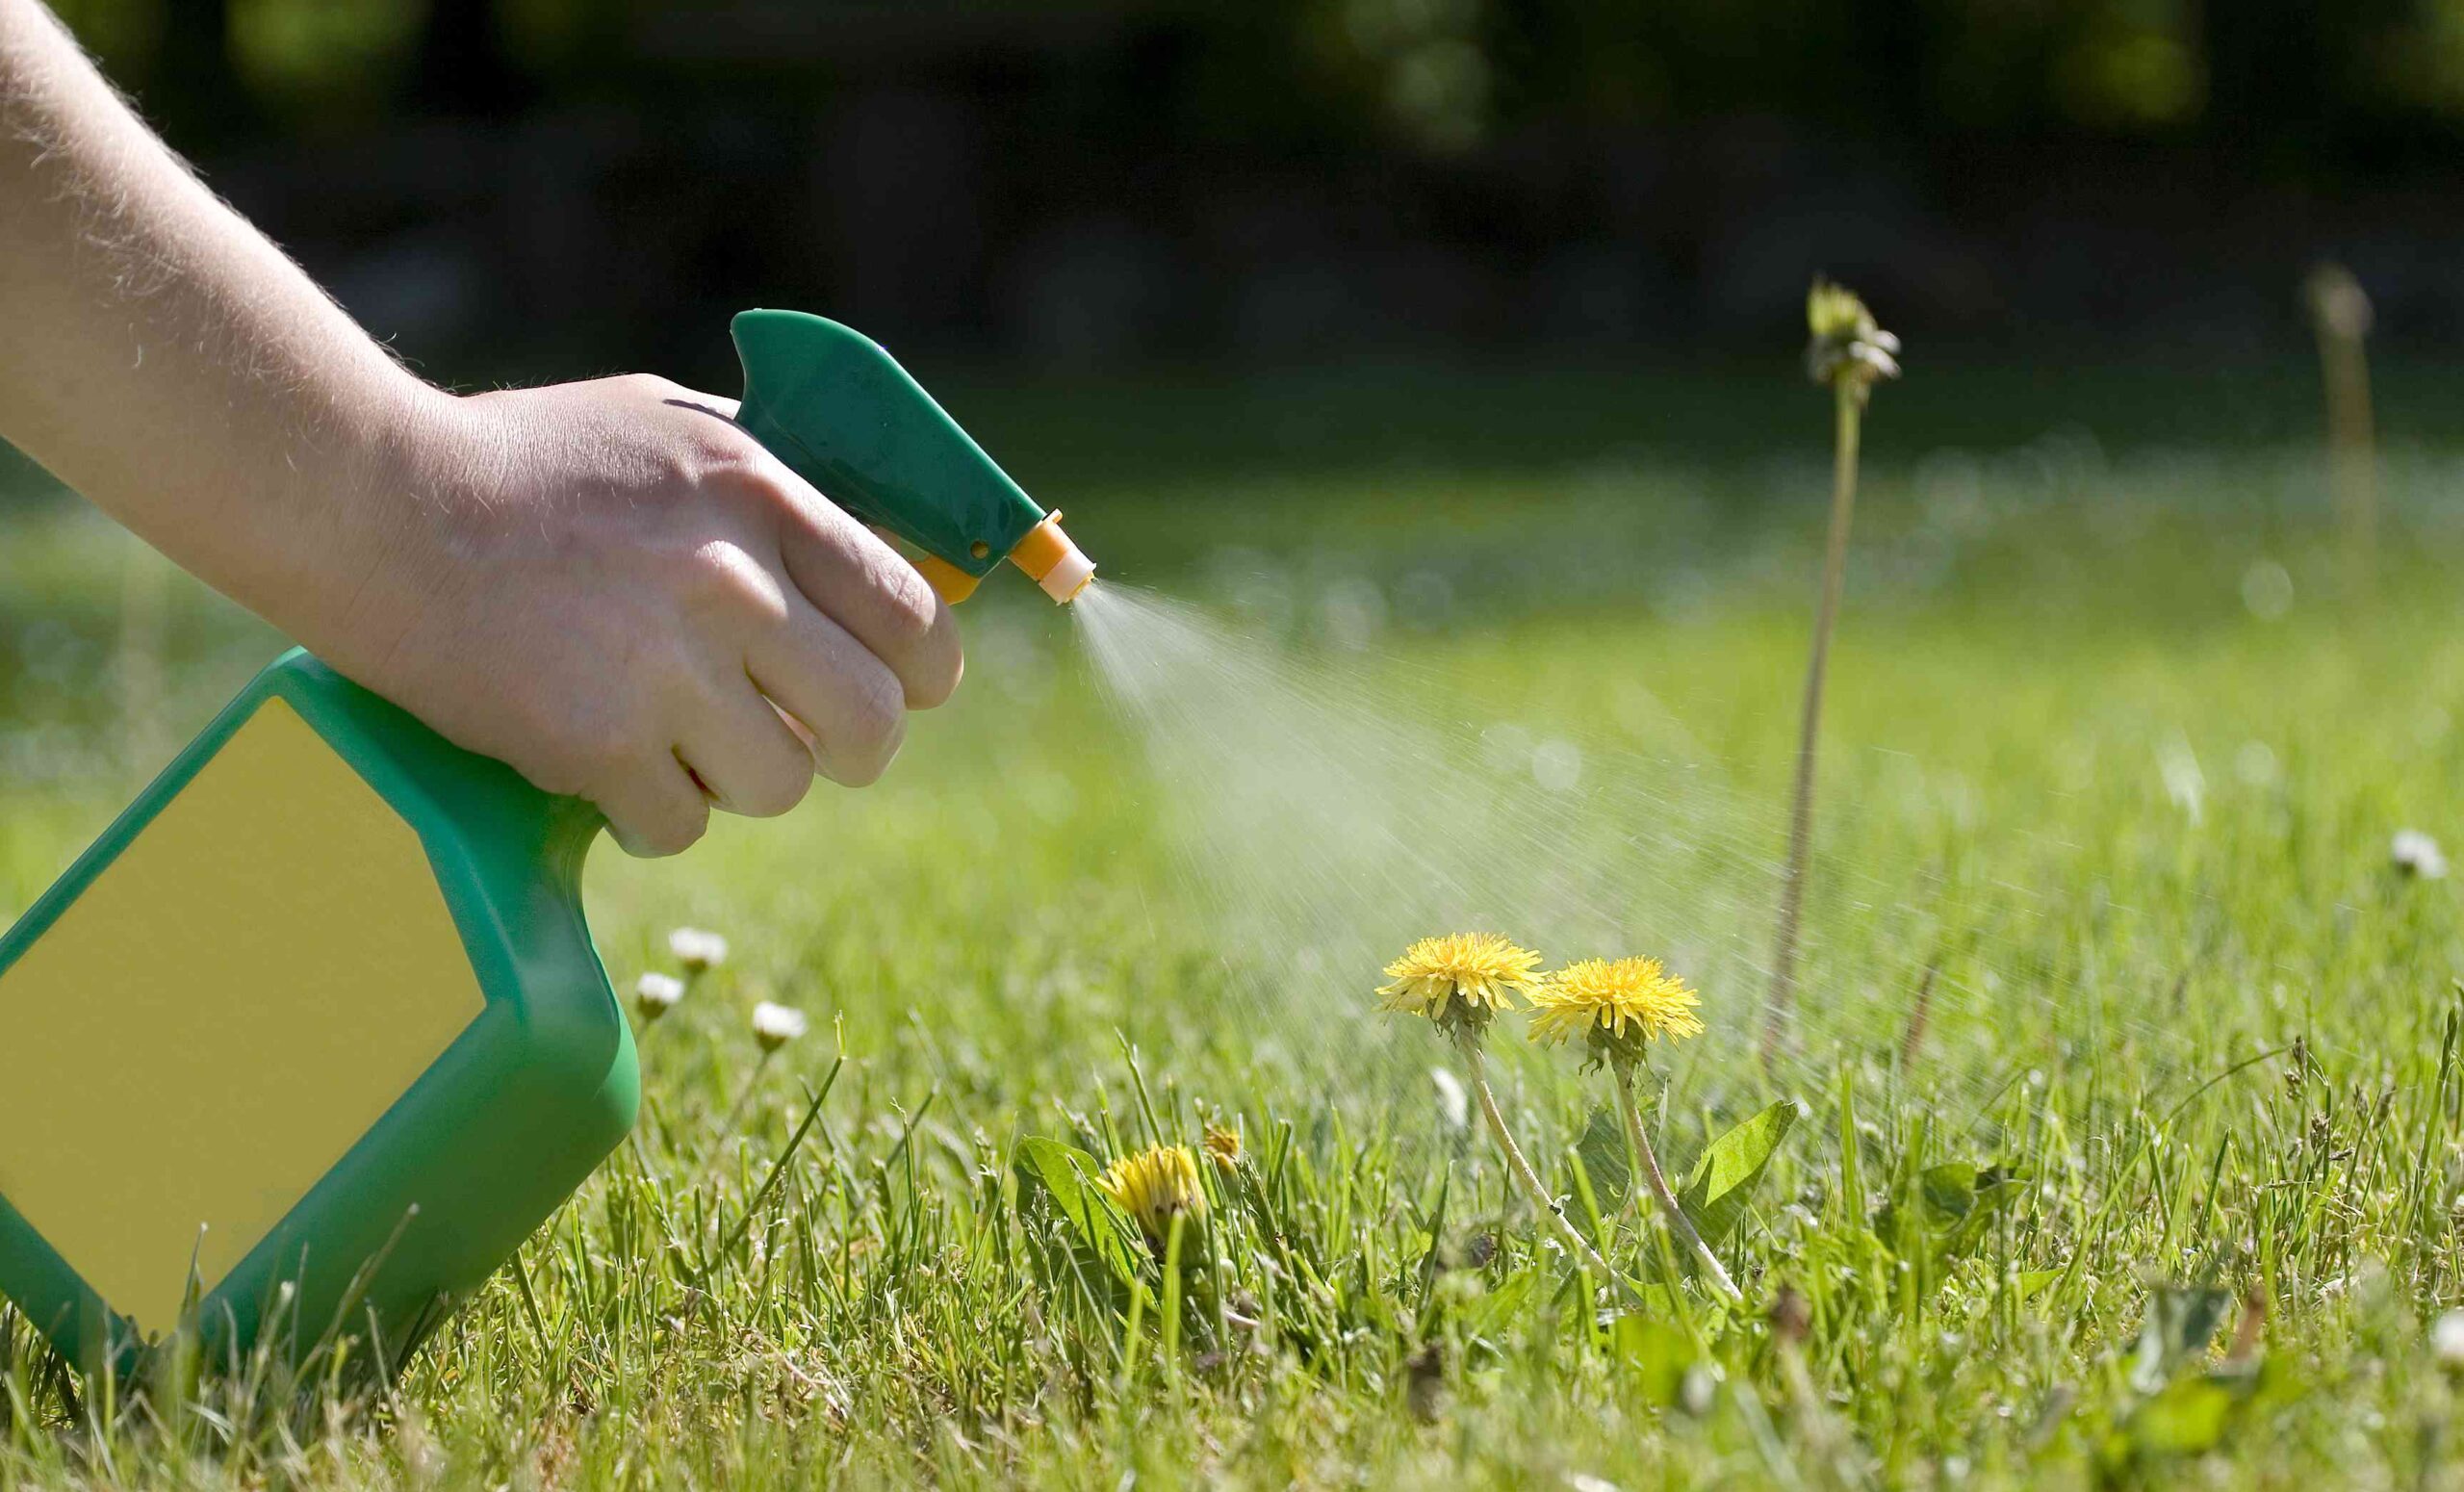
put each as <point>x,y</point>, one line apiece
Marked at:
<point>607,584</point>
<point>612,587</point>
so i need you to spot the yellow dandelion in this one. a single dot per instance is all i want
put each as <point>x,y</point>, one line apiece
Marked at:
<point>1615,1004</point>
<point>1460,980</point>
<point>1223,1147</point>
<point>1154,1186</point>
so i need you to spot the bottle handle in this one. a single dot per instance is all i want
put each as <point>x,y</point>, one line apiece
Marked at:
<point>833,405</point>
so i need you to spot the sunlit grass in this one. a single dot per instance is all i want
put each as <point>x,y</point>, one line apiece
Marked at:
<point>2166,1169</point>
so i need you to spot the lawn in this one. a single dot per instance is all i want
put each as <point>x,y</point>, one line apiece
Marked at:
<point>2127,1143</point>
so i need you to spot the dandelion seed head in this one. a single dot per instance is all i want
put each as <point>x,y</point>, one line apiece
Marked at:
<point>1154,1186</point>
<point>1616,1005</point>
<point>776,1025</point>
<point>1459,981</point>
<point>654,995</point>
<point>1453,1104</point>
<point>1846,342</point>
<point>697,950</point>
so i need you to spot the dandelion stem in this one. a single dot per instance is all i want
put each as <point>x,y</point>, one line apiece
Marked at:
<point>2341,314</point>
<point>778,1168</point>
<point>1644,1157</point>
<point>752,1086</point>
<point>1849,396</point>
<point>1521,1168</point>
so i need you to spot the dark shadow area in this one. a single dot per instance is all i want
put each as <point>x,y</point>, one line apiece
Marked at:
<point>531,188</point>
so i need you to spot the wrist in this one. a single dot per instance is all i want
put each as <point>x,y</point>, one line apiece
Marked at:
<point>397,472</point>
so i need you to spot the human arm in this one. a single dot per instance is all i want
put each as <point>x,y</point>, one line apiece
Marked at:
<point>605,584</point>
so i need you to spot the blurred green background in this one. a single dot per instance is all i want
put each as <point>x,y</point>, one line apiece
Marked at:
<point>535,188</point>
<point>1498,300</point>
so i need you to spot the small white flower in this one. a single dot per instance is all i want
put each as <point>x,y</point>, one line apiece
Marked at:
<point>1453,1105</point>
<point>776,1025</point>
<point>2417,854</point>
<point>656,994</point>
<point>2447,1339</point>
<point>695,949</point>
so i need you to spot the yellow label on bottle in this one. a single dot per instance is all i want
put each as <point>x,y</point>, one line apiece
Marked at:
<point>230,1005</point>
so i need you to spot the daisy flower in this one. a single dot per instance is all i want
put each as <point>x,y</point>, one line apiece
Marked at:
<point>776,1025</point>
<point>656,994</point>
<point>697,950</point>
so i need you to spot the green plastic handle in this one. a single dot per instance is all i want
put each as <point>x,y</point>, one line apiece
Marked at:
<point>839,411</point>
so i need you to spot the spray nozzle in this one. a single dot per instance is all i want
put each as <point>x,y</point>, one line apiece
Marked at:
<point>1048,557</point>
<point>838,410</point>
<point>1054,562</point>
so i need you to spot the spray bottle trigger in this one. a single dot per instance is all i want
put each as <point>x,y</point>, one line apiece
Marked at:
<point>948,581</point>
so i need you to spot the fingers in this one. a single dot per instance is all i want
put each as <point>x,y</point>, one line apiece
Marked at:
<point>872,593</point>
<point>736,752</point>
<point>744,754</point>
<point>655,808</point>
<point>845,698</point>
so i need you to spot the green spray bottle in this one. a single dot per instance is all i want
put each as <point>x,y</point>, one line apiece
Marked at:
<point>315,1033</point>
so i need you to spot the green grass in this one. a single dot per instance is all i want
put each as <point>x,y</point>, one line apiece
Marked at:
<point>2171,1061</point>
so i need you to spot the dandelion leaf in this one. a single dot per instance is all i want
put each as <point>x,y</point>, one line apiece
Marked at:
<point>2181,1321</point>
<point>1063,1177</point>
<point>1955,1204</point>
<point>1492,1313</point>
<point>1655,1356</point>
<point>1723,1180</point>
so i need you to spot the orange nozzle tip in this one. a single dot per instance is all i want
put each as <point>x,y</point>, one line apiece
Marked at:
<point>1066,591</point>
<point>948,581</point>
<point>1054,562</point>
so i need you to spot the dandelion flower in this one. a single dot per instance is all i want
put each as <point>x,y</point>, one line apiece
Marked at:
<point>2417,854</point>
<point>656,994</point>
<point>1459,981</point>
<point>1223,1147</point>
<point>1155,1186</point>
<point>1619,1007</point>
<point>776,1025</point>
<point>1616,1005</point>
<point>697,950</point>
